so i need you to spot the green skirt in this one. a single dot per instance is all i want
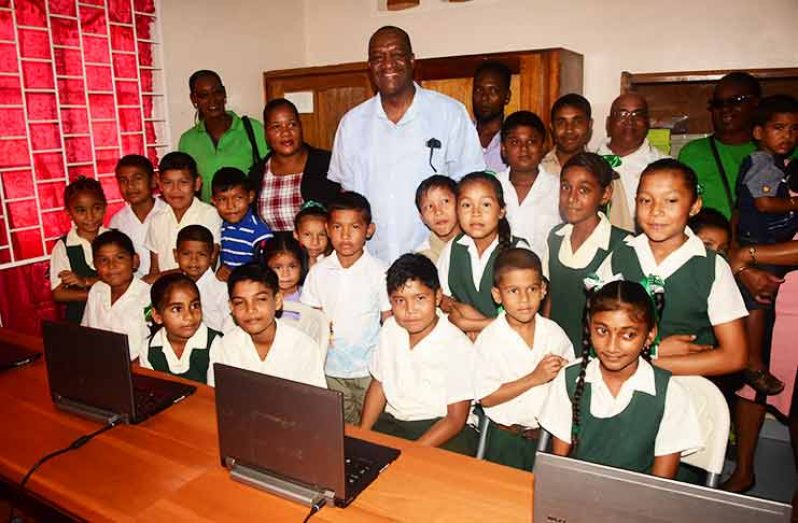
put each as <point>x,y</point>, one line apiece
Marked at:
<point>465,442</point>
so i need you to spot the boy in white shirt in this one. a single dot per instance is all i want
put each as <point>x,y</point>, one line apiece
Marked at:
<point>119,301</point>
<point>518,354</point>
<point>349,286</point>
<point>178,179</point>
<point>422,367</point>
<point>194,252</point>
<point>260,342</point>
<point>135,177</point>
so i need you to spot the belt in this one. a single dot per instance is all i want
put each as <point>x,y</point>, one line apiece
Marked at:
<point>518,430</point>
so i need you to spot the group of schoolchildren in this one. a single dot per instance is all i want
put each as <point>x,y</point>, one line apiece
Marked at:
<point>582,343</point>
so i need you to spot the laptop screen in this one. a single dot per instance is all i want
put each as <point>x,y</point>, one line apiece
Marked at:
<point>281,427</point>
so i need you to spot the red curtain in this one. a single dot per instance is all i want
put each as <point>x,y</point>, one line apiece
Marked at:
<point>78,88</point>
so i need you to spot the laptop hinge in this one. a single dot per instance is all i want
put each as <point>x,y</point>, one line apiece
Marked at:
<point>93,413</point>
<point>276,485</point>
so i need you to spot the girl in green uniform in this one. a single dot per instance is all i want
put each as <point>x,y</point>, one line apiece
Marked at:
<point>182,343</point>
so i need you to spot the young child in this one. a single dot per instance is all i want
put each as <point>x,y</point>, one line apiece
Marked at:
<point>701,327</point>
<point>194,252</point>
<point>179,180</point>
<point>242,230</point>
<point>119,301</point>
<point>530,192</point>
<point>618,409</point>
<point>465,267</point>
<point>766,215</point>
<point>713,228</point>
<point>422,367</point>
<point>135,177</point>
<point>182,343</point>
<point>571,127</point>
<point>71,270</point>
<point>518,354</point>
<point>436,199</point>
<point>577,248</point>
<point>288,260</point>
<point>349,286</point>
<point>310,230</point>
<point>260,342</point>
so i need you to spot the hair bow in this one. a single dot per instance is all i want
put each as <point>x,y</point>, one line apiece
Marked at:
<point>654,286</point>
<point>613,159</point>
<point>312,203</point>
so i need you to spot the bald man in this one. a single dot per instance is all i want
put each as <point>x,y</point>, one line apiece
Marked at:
<point>386,146</point>
<point>627,127</point>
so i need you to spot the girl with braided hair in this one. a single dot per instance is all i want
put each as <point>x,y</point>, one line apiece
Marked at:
<point>615,408</point>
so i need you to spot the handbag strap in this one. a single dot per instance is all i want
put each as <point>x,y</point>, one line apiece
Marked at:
<point>251,135</point>
<point>722,172</point>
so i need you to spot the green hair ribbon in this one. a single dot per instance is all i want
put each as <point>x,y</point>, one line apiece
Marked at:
<point>312,203</point>
<point>613,159</point>
<point>653,285</point>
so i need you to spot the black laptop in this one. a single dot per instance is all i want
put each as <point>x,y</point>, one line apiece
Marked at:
<point>288,438</point>
<point>89,374</point>
<point>12,355</point>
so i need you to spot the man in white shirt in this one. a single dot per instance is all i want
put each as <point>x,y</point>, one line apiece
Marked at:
<point>630,152</point>
<point>390,143</point>
<point>489,95</point>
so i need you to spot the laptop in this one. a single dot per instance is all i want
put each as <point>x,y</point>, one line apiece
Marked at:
<point>288,439</point>
<point>89,374</point>
<point>568,491</point>
<point>12,355</point>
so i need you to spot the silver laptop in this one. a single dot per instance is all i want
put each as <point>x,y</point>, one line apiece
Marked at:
<point>572,491</point>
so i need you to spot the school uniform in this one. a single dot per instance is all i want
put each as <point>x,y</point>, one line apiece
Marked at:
<point>241,240</point>
<point>533,218</point>
<point>468,277</point>
<point>651,416</point>
<point>566,271</point>
<point>551,163</point>
<point>420,383</point>
<point>215,302</point>
<point>700,290</point>
<point>193,364</point>
<point>127,315</point>
<point>162,232</point>
<point>126,221</point>
<point>503,356</point>
<point>72,253</point>
<point>431,247</point>
<point>493,154</point>
<point>293,355</point>
<point>352,298</point>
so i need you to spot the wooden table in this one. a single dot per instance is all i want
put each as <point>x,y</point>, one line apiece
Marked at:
<point>168,468</point>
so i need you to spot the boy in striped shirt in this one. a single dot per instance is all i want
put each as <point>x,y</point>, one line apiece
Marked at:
<point>242,230</point>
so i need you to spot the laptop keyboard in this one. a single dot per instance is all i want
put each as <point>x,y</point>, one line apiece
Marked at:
<point>356,468</point>
<point>147,401</point>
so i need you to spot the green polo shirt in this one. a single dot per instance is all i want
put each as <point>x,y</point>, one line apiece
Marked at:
<point>233,149</point>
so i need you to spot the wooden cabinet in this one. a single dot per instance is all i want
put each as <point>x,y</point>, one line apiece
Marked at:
<point>539,78</point>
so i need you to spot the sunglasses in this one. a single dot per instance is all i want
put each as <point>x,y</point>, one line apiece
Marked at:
<point>731,102</point>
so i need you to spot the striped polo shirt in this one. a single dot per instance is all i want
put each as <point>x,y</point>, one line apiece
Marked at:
<point>239,240</point>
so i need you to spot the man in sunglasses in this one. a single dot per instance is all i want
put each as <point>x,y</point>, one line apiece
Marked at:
<point>628,151</point>
<point>717,158</point>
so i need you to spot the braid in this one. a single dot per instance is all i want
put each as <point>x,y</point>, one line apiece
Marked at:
<point>576,405</point>
<point>505,235</point>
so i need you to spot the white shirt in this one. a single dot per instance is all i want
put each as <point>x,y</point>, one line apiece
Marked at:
<point>493,154</point>
<point>59,261</point>
<point>503,356</point>
<point>214,299</point>
<point>352,299</point>
<point>182,364</point>
<point>598,239</point>
<point>421,382</point>
<point>632,166</point>
<point>162,232</point>
<point>125,316</point>
<point>724,303</point>
<point>533,218</point>
<point>478,263</point>
<point>292,356</point>
<point>126,221</point>
<point>385,162</point>
<point>679,430</point>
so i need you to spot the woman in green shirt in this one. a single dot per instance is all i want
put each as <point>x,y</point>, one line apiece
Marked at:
<point>220,137</point>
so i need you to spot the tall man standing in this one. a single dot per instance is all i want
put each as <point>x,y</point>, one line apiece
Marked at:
<point>489,95</point>
<point>388,144</point>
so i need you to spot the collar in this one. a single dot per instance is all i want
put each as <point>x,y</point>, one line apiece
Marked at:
<point>600,235</point>
<point>249,218</point>
<point>203,280</point>
<point>692,247</point>
<point>642,380</point>
<point>73,238</point>
<point>643,150</point>
<point>234,125</point>
<point>198,341</point>
<point>188,211</point>
<point>335,263</point>
<point>468,242</point>
<point>411,111</point>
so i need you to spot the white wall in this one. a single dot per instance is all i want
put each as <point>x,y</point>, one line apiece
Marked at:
<point>239,39</point>
<point>613,35</point>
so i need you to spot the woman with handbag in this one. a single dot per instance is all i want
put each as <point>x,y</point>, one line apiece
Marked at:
<point>220,138</point>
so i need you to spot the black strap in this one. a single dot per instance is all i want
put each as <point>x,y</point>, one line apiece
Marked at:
<point>722,172</point>
<point>251,135</point>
